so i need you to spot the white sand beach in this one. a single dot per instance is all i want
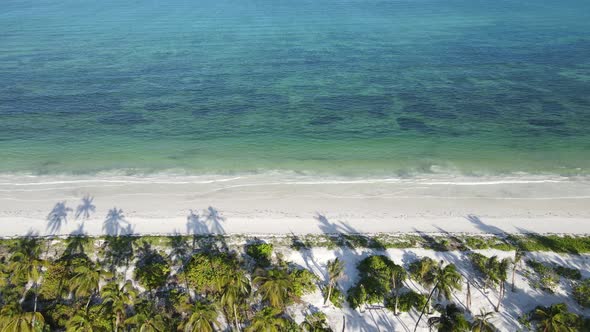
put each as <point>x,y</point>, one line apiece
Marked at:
<point>280,204</point>
<point>274,205</point>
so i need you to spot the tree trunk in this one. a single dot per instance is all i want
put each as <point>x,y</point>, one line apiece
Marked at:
<point>35,305</point>
<point>513,277</point>
<point>396,302</point>
<point>236,318</point>
<point>329,293</point>
<point>393,283</point>
<point>343,323</point>
<point>500,295</point>
<point>468,300</point>
<point>117,320</point>
<point>89,300</point>
<point>425,305</point>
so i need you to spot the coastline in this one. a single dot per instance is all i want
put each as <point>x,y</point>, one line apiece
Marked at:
<point>275,204</point>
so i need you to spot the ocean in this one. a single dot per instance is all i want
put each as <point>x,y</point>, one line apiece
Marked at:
<point>331,87</point>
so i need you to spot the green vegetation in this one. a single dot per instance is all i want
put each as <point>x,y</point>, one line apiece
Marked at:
<point>555,318</point>
<point>206,284</point>
<point>407,301</point>
<point>562,244</point>
<point>261,252</point>
<point>451,319</point>
<point>547,278</point>
<point>493,272</point>
<point>188,290</point>
<point>335,270</point>
<point>582,293</point>
<point>118,246</point>
<point>548,275</point>
<point>379,278</point>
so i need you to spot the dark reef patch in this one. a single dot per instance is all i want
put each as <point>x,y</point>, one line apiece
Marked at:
<point>59,105</point>
<point>413,124</point>
<point>124,118</point>
<point>157,106</point>
<point>484,111</point>
<point>325,120</point>
<point>354,103</point>
<point>552,107</point>
<point>546,122</point>
<point>429,110</point>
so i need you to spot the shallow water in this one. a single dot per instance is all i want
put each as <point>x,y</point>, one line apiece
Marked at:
<point>353,87</point>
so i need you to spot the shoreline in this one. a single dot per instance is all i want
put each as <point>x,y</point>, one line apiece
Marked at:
<point>267,204</point>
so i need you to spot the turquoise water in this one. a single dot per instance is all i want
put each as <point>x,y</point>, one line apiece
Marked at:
<point>321,86</point>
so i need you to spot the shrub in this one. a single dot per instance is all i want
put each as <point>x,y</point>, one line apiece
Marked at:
<point>303,281</point>
<point>548,279</point>
<point>54,281</point>
<point>476,243</point>
<point>261,252</point>
<point>420,268</point>
<point>357,296</point>
<point>336,297</point>
<point>582,293</point>
<point>58,315</point>
<point>204,270</point>
<point>152,270</point>
<point>375,276</point>
<point>407,301</point>
<point>569,273</point>
<point>374,283</point>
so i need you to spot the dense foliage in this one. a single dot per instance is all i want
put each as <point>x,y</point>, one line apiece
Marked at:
<point>189,284</point>
<point>582,293</point>
<point>261,252</point>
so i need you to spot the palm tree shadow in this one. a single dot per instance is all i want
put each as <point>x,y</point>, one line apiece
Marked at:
<point>57,217</point>
<point>76,241</point>
<point>194,225</point>
<point>113,223</point>
<point>216,219</point>
<point>85,208</point>
<point>483,226</point>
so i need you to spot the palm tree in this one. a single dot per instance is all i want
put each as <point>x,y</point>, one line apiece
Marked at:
<point>267,320</point>
<point>481,322</point>
<point>86,281</point>
<point>75,244</point>
<point>274,286</point>
<point>118,250</point>
<point>203,318</point>
<point>335,270</point>
<point>315,322</point>
<point>147,323</point>
<point>450,320</point>
<point>13,318</point>
<point>398,275</point>
<point>445,280</point>
<point>420,269</point>
<point>82,321</point>
<point>555,318</point>
<point>502,276</point>
<point>26,264</point>
<point>116,299</point>
<point>237,288</point>
<point>491,275</point>
<point>518,255</point>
